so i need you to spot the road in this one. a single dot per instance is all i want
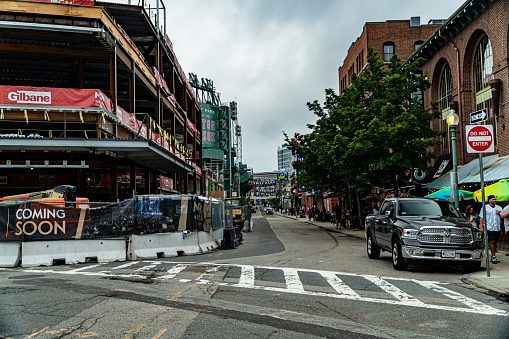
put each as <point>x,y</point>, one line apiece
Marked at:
<point>289,279</point>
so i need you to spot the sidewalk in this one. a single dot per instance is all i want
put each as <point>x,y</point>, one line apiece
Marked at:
<point>498,282</point>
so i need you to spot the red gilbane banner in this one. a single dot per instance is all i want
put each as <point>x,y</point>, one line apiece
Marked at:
<point>69,2</point>
<point>60,97</point>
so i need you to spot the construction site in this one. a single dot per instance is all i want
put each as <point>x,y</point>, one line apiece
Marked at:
<point>92,95</point>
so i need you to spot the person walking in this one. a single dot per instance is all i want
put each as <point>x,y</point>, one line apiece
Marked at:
<point>472,217</point>
<point>337,212</point>
<point>347,219</point>
<point>505,215</point>
<point>493,212</point>
<point>309,213</point>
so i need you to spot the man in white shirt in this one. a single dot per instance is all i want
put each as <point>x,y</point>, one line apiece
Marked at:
<point>493,212</point>
<point>505,216</point>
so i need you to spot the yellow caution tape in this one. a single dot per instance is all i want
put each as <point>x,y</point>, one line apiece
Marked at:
<point>50,133</point>
<point>104,120</point>
<point>20,132</point>
<point>2,113</point>
<point>26,116</point>
<point>81,117</point>
<point>46,115</point>
<point>86,136</point>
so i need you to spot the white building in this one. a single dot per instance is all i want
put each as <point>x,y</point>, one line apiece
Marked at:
<point>284,160</point>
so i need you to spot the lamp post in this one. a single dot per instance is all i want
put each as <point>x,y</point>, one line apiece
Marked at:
<point>453,120</point>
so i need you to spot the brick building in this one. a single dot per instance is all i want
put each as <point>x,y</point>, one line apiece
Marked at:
<point>475,39</point>
<point>400,37</point>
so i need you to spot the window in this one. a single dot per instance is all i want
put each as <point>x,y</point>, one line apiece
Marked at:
<point>483,73</point>
<point>388,51</point>
<point>445,88</point>
<point>418,44</point>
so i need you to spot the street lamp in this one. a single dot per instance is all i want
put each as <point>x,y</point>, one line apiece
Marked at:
<point>453,120</point>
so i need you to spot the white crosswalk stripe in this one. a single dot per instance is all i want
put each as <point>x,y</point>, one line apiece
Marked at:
<point>294,280</point>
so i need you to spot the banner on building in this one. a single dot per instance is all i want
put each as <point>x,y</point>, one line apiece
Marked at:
<point>58,97</point>
<point>69,2</point>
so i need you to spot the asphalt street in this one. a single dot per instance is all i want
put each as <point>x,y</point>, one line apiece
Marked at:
<point>288,279</point>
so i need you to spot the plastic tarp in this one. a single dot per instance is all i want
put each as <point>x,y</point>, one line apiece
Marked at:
<point>29,220</point>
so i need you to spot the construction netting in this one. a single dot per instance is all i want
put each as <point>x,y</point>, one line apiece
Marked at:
<point>32,220</point>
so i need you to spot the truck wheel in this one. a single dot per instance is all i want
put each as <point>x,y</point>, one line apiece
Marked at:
<point>372,249</point>
<point>398,262</point>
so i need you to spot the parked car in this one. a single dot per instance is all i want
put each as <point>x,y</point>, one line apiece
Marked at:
<point>268,210</point>
<point>423,230</point>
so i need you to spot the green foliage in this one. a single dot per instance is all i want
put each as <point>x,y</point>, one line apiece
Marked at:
<point>372,134</point>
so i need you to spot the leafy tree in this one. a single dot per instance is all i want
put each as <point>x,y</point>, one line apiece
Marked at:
<point>372,134</point>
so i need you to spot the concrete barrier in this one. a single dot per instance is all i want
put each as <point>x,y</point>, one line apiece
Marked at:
<point>47,253</point>
<point>190,242</point>
<point>10,253</point>
<point>152,246</point>
<point>206,241</point>
<point>218,235</point>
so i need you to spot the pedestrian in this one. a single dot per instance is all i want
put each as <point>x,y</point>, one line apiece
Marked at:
<point>472,217</point>
<point>505,215</point>
<point>337,212</point>
<point>347,219</point>
<point>493,212</point>
<point>309,213</point>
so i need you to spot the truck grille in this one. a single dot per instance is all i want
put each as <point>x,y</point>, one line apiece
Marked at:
<point>445,235</point>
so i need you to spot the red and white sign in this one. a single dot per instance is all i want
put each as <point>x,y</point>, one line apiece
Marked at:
<point>60,97</point>
<point>70,2</point>
<point>166,183</point>
<point>480,139</point>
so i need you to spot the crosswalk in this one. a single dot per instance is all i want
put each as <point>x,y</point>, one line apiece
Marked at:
<point>339,285</point>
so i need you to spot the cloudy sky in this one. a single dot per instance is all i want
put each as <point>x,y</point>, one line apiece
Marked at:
<point>273,56</point>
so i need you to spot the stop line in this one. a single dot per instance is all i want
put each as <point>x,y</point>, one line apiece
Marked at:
<point>369,288</point>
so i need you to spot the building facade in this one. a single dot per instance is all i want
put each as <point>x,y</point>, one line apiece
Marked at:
<point>265,186</point>
<point>468,66</point>
<point>93,95</point>
<point>285,159</point>
<point>393,37</point>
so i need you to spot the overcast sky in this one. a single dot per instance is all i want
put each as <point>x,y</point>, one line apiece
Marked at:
<point>273,56</point>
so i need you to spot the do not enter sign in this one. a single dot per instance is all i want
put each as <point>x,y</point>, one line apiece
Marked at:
<point>480,139</point>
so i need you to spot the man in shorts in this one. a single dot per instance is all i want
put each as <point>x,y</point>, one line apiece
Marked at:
<point>493,212</point>
<point>505,216</point>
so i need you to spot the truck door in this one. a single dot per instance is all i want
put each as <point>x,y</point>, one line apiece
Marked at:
<point>384,224</point>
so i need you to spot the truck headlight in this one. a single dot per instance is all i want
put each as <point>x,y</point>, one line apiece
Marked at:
<point>410,234</point>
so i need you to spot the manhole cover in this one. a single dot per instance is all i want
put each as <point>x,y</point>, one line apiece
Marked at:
<point>27,276</point>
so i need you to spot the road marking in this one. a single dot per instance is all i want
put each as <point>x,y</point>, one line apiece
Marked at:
<point>125,265</point>
<point>294,284</point>
<point>394,291</point>
<point>339,285</point>
<point>205,277</point>
<point>172,272</point>
<point>247,276</point>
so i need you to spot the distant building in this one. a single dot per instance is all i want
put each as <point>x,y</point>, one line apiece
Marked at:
<point>265,186</point>
<point>400,37</point>
<point>284,160</point>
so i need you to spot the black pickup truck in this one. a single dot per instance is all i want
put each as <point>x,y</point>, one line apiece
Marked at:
<point>423,230</point>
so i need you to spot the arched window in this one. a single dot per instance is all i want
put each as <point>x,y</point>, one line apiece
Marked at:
<point>483,64</point>
<point>445,88</point>
<point>483,73</point>
<point>388,51</point>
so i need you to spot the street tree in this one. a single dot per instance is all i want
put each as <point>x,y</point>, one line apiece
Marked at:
<point>372,134</point>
